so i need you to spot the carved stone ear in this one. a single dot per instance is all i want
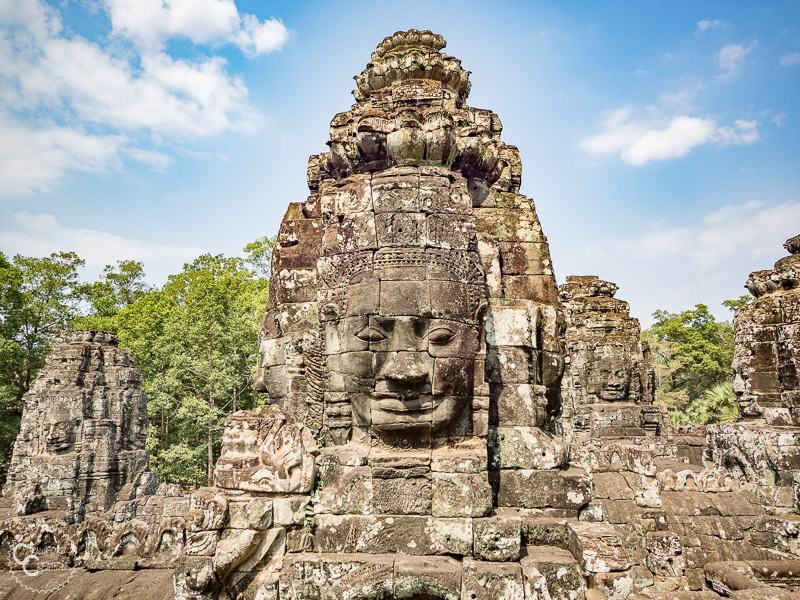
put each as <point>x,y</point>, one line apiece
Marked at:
<point>480,312</point>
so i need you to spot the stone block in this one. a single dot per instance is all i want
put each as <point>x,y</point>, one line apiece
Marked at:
<point>616,586</point>
<point>249,512</point>
<point>602,550</point>
<point>401,495</point>
<point>406,534</point>
<point>427,577</point>
<point>527,448</point>
<point>465,459</point>
<point>497,539</point>
<point>525,258</point>
<point>509,326</point>
<point>510,225</point>
<point>491,581</point>
<point>509,365</point>
<point>344,489</point>
<point>291,510</point>
<point>461,495</point>
<point>450,231</point>
<point>561,572</point>
<point>568,489</point>
<point>337,576</point>
<point>521,404</point>
<point>540,288</point>
<point>400,229</point>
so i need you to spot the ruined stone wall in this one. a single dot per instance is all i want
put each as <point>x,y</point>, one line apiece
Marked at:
<point>763,447</point>
<point>767,356</point>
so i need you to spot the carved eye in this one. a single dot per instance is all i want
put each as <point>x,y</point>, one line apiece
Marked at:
<point>441,335</point>
<point>371,334</point>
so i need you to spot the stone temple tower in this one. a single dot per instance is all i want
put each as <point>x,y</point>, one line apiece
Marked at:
<point>414,214</point>
<point>412,353</point>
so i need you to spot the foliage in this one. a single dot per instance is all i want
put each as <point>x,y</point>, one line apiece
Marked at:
<point>692,354</point>
<point>194,339</point>
<point>116,290</point>
<point>259,254</point>
<point>37,300</point>
<point>716,405</point>
<point>741,301</point>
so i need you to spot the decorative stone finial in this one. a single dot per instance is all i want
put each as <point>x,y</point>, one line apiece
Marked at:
<point>586,286</point>
<point>411,112</point>
<point>784,277</point>
<point>412,54</point>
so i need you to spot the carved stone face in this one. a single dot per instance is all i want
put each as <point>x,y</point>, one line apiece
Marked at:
<point>609,378</point>
<point>59,431</point>
<point>747,402</point>
<point>407,372</point>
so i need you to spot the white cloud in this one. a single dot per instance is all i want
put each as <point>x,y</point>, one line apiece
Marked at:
<point>742,133</point>
<point>779,119</point>
<point>41,235</point>
<point>149,23</point>
<point>645,140</point>
<point>707,25</point>
<point>731,56</point>
<point>791,60</point>
<point>99,100</point>
<point>674,267</point>
<point>33,159</point>
<point>682,97</point>
<point>158,160</point>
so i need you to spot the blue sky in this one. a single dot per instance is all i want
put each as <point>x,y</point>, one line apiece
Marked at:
<point>660,140</point>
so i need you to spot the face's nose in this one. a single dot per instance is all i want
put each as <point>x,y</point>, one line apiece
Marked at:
<point>615,380</point>
<point>406,367</point>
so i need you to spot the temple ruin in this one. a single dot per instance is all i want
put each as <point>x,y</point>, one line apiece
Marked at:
<point>442,420</point>
<point>608,388</point>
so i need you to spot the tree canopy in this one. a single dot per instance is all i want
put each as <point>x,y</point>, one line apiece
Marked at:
<point>692,355</point>
<point>195,339</point>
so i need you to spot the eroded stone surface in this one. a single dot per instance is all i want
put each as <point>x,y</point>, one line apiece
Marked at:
<point>81,440</point>
<point>608,388</point>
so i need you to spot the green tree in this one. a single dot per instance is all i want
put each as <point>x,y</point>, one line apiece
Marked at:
<point>741,301</point>
<point>38,300</point>
<point>195,340</point>
<point>716,405</point>
<point>259,254</point>
<point>119,287</point>
<point>694,351</point>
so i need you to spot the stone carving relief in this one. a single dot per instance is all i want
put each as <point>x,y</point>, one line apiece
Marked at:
<point>766,362</point>
<point>82,435</point>
<point>265,452</point>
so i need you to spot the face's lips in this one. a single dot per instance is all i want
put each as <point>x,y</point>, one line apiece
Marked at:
<point>403,403</point>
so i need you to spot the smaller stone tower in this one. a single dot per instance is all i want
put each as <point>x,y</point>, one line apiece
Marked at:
<point>608,384</point>
<point>81,444</point>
